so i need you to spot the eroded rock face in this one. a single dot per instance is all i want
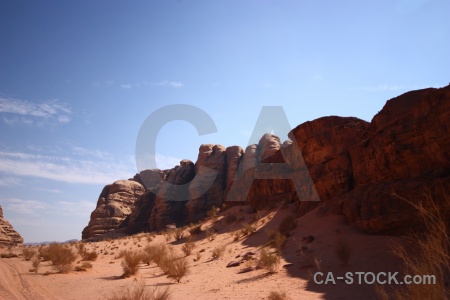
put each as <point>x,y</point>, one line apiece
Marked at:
<point>8,236</point>
<point>207,188</point>
<point>171,198</point>
<point>352,164</point>
<point>115,203</point>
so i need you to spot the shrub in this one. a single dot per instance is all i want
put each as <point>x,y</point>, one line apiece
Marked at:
<point>248,229</point>
<point>210,234</point>
<point>61,257</point>
<point>277,295</point>
<point>28,253</point>
<point>139,291</point>
<point>187,248</point>
<point>177,234</point>
<point>343,251</point>
<point>177,268</point>
<point>130,263</point>
<point>35,263</point>
<point>218,252</point>
<point>154,253</point>
<point>86,255</point>
<point>287,225</point>
<point>84,266</point>
<point>279,241</point>
<point>195,230</point>
<point>8,255</point>
<point>428,251</point>
<point>269,261</point>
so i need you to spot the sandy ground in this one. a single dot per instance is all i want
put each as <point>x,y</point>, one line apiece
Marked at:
<point>210,278</point>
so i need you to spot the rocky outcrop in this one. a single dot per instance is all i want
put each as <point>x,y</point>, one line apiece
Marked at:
<point>406,150</point>
<point>114,204</point>
<point>171,198</point>
<point>344,164</point>
<point>8,236</point>
<point>207,188</point>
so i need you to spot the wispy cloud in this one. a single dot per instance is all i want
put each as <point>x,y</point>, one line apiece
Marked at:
<point>171,84</point>
<point>24,111</point>
<point>10,181</point>
<point>164,162</point>
<point>91,152</point>
<point>38,208</point>
<point>64,169</point>
<point>126,86</point>
<point>54,191</point>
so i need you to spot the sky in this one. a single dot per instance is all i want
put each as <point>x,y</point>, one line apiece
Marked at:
<point>79,78</point>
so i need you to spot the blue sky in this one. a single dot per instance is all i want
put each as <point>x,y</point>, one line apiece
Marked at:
<point>78,79</point>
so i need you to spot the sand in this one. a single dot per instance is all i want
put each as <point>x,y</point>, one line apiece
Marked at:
<point>210,278</point>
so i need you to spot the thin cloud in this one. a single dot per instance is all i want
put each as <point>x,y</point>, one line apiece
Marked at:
<point>10,181</point>
<point>63,169</point>
<point>38,208</point>
<point>171,84</point>
<point>126,86</point>
<point>54,191</point>
<point>22,111</point>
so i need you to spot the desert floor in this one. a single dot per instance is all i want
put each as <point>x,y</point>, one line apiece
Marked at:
<point>210,278</point>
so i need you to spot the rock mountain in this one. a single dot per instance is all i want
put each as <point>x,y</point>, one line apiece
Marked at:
<point>343,164</point>
<point>8,236</point>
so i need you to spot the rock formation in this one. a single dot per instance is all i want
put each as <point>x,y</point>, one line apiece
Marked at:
<point>8,236</point>
<point>353,167</point>
<point>114,204</point>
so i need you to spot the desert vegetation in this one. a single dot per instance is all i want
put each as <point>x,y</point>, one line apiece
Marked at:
<point>139,291</point>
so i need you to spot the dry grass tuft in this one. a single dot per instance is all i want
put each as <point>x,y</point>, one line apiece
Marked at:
<point>177,268</point>
<point>35,263</point>
<point>218,252</point>
<point>139,291</point>
<point>195,230</point>
<point>281,295</point>
<point>428,252</point>
<point>187,248</point>
<point>130,263</point>
<point>83,267</point>
<point>61,257</point>
<point>28,253</point>
<point>177,233</point>
<point>269,261</point>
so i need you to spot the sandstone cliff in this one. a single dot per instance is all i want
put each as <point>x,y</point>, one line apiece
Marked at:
<point>345,164</point>
<point>8,236</point>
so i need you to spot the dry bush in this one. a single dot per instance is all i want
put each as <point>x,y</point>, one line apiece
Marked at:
<point>154,253</point>
<point>187,248</point>
<point>195,230</point>
<point>61,257</point>
<point>279,241</point>
<point>177,234</point>
<point>343,250</point>
<point>86,255</point>
<point>218,252</point>
<point>83,267</point>
<point>139,291</point>
<point>287,225</point>
<point>248,229</point>
<point>230,219</point>
<point>210,234</point>
<point>269,261</point>
<point>8,255</point>
<point>212,213</point>
<point>35,263</point>
<point>281,295</point>
<point>176,268</point>
<point>428,251</point>
<point>130,263</point>
<point>28,253</point>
